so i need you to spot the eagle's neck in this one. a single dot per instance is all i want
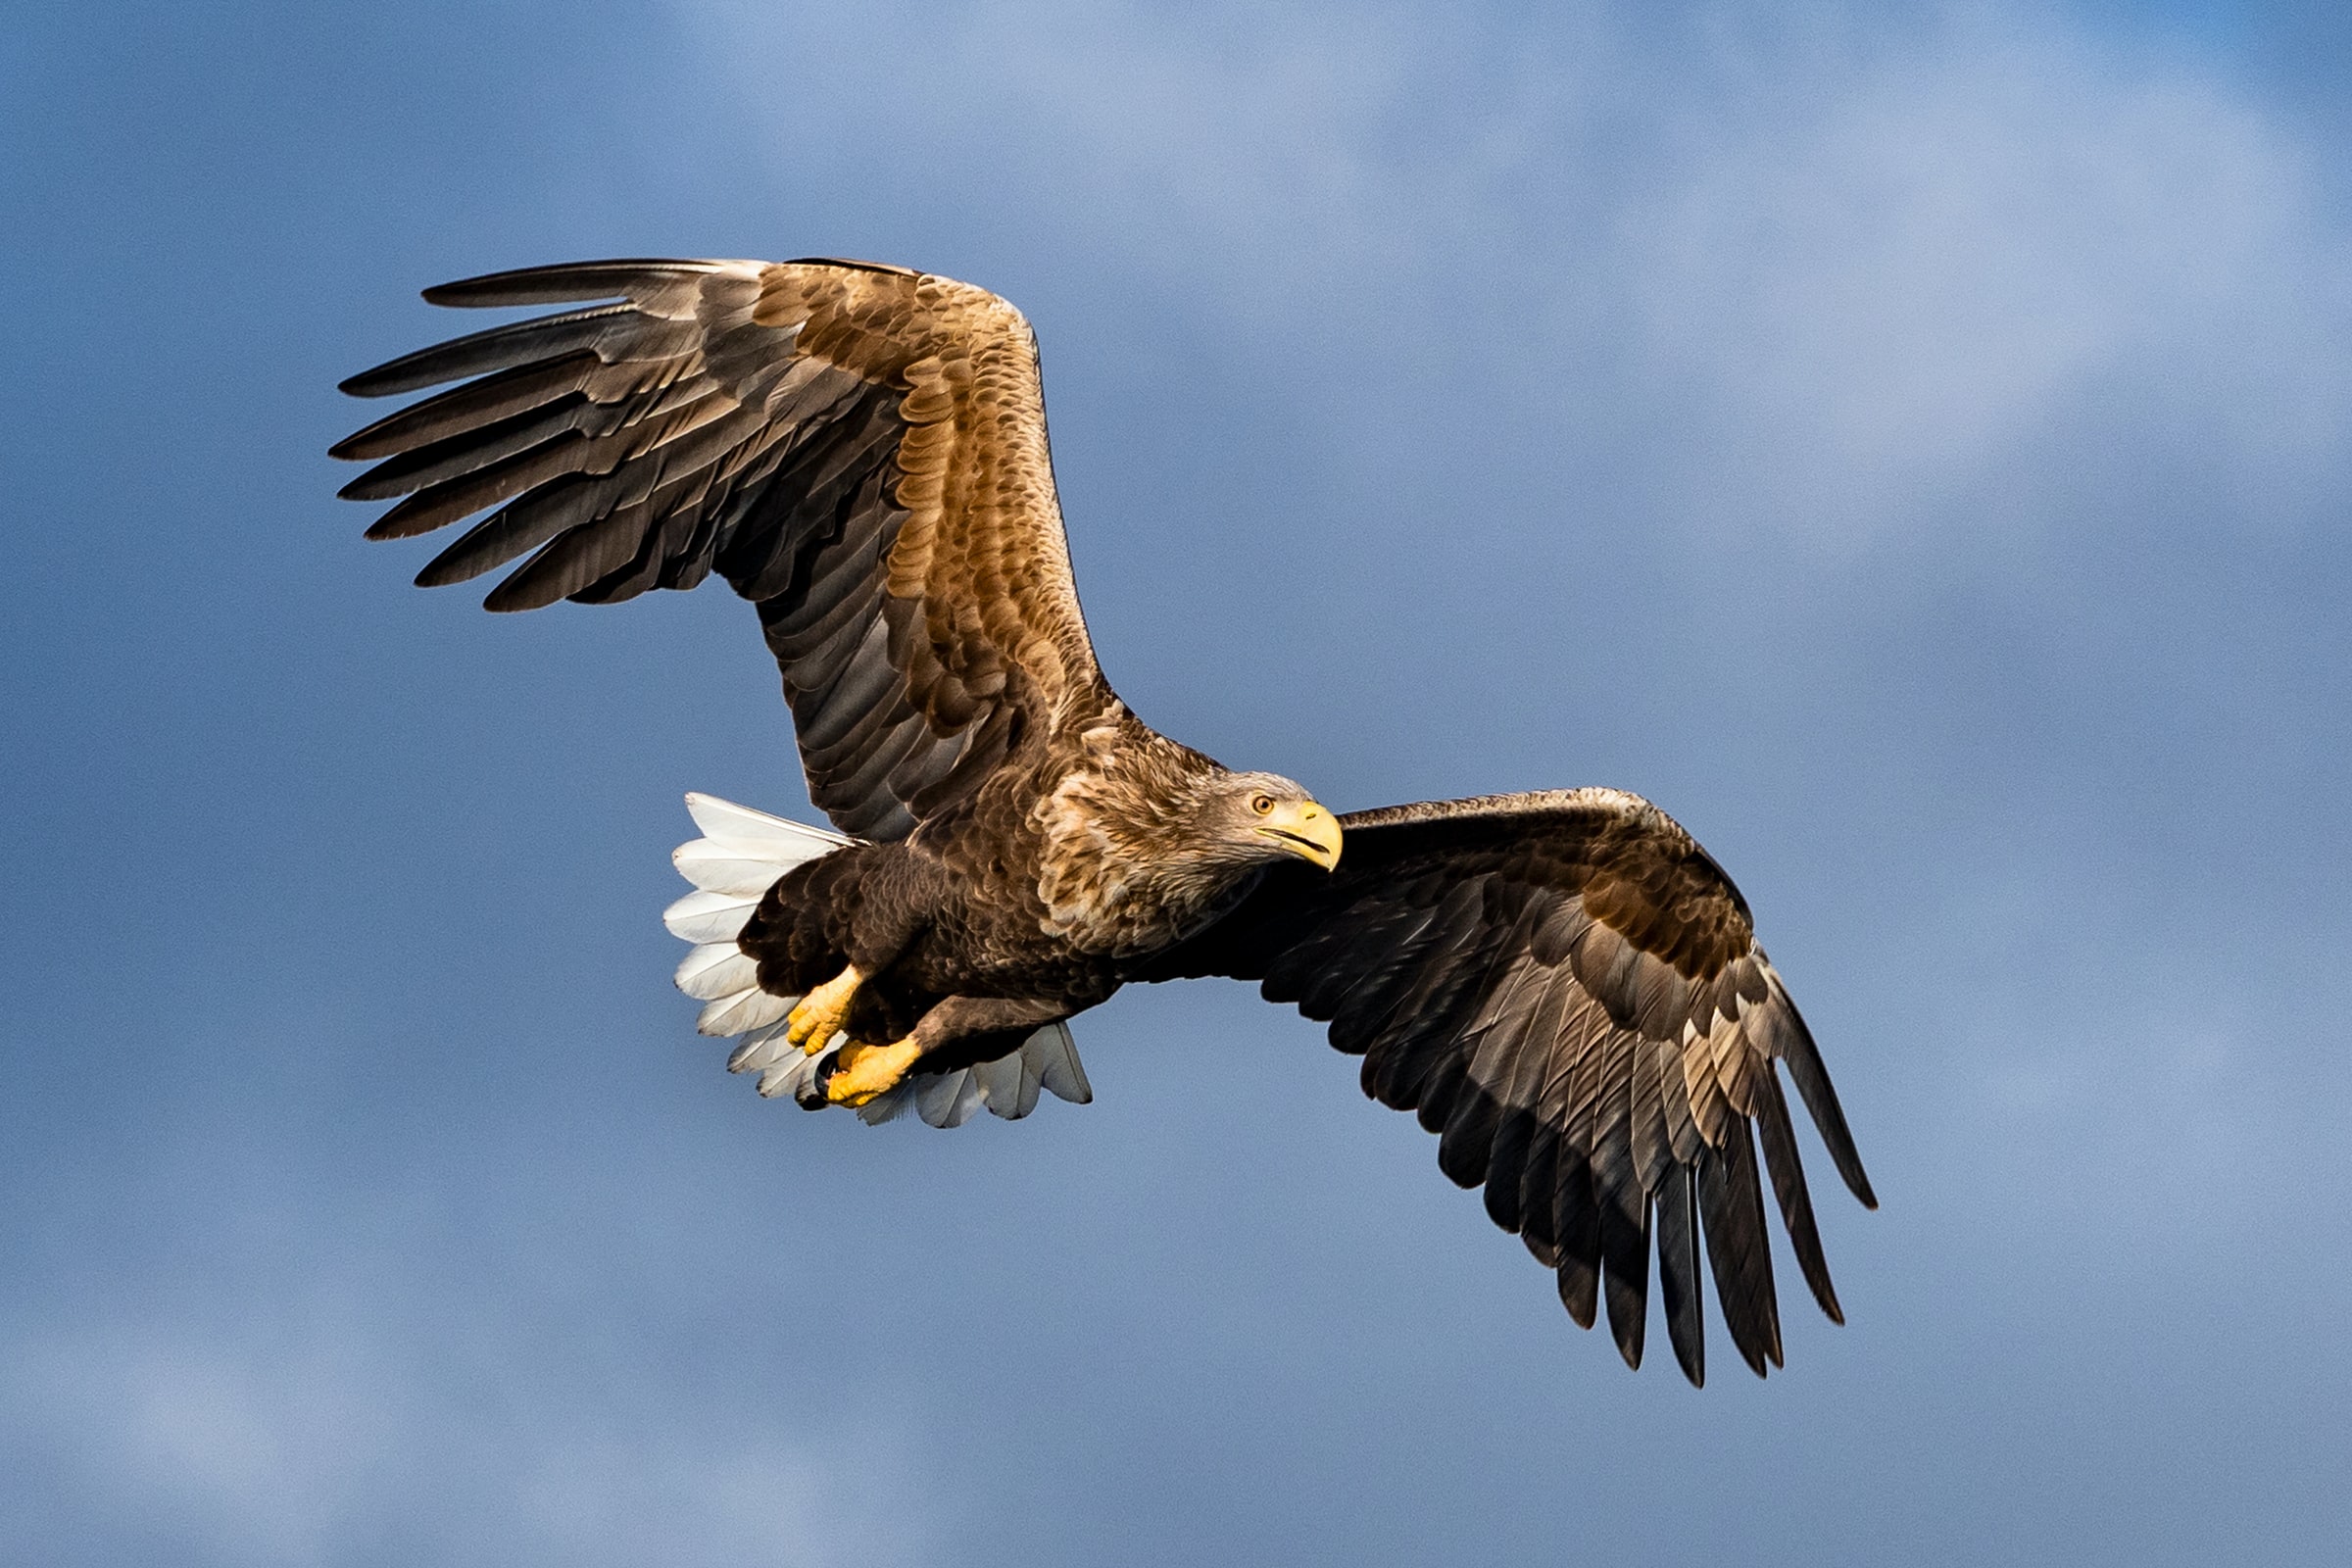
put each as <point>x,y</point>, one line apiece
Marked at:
<point>1121,873</point>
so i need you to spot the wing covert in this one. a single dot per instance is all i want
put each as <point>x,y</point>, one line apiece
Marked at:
<point>1566,989</point>
<point>858,450</point>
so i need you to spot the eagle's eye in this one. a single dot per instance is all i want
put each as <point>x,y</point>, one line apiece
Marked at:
<point>1262,804</point>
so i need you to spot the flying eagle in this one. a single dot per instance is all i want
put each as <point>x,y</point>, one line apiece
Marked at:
<point>1562,985</point>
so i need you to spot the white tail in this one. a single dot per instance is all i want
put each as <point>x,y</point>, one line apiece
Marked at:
<point>739,857</point>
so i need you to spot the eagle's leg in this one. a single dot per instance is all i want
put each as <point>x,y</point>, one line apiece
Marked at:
<point>819,1016</point>
<point>862,1072</point>
<point>855,1074</point>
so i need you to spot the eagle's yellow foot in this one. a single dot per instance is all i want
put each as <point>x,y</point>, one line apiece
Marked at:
<point>819,1016</point>
<point>862,1072</point>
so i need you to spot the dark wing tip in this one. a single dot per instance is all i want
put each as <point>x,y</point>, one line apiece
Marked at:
<point>497,348</point>
<point>563,282</point>
<point>1848,1161</point>
<point>1627,1330</point>
<point>442,572</point>
<point>1680,1286</point>
<point>401,524</point>
<point>1793,1043</point>
<point>501,602</point>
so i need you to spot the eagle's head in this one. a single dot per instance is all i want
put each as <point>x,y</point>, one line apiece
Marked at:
<point>1252,818</point>
<point>1148,840</point>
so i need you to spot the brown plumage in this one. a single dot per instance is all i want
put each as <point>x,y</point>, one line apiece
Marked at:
<point>1563,986</point>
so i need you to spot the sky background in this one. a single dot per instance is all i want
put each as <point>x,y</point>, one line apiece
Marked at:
<point>1911,445</point>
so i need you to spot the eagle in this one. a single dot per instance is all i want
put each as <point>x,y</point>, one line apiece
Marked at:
<point>1562,985</point>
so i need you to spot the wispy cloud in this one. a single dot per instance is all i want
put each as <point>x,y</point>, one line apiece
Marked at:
<point>1844,271</point>
<point>303,1422</point>
<point>1891,279</point>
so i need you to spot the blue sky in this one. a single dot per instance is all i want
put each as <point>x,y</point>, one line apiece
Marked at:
<point>1911,448</point>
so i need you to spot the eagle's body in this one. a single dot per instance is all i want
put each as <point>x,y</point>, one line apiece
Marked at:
<point>1055,885</point>
<point>1563,985</point>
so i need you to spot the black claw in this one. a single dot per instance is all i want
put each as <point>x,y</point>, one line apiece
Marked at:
<point>812,1092</point>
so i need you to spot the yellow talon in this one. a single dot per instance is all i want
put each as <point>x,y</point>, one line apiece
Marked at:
<point>819,1016</point>
<point>865,1071</point>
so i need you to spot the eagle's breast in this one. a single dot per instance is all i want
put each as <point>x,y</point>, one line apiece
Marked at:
<point>1116,874</point>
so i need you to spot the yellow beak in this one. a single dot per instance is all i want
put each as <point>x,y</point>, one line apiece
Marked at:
<point>1304,829</point>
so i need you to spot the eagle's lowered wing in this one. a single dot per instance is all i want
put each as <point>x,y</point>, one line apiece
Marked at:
<point>1567,989</point>
<point>859,450</point>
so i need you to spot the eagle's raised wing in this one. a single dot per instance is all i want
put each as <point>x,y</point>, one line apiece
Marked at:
<point>1568,990</point>
<point>859,450</point>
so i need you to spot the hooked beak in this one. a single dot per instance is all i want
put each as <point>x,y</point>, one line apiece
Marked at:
<point>1304,829</point>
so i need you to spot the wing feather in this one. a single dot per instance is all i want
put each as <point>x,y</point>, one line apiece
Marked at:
<point>1577,1225</point>
<point>1779,1139</point>
<point>1679,1288</point>
<point>596,330</point>
<point>1528,1028</point>
<point>1731,1206</point>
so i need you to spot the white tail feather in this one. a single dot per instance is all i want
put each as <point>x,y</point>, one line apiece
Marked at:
<point>733,866</point>
<point>949,1099</point>
<point>744,1010</point>
<point>761,1050</point>
<point>1008,1086</point>
<point>721,969</point>
<point>710,917</point>
<point>739,857</point>
<point>773,839</point>
<point>718,867</point>
<point>786,1077</point>
<point>784,1066</point>
<point>884,1107</point>
<point>1058,1064</point>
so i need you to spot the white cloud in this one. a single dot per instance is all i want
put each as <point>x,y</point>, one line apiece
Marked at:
<point>315,1427</point>
<point>1900,281</point>
<point>1838,276</point>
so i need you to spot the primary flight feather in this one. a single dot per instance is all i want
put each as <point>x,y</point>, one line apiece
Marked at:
<point>1562,985</point>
